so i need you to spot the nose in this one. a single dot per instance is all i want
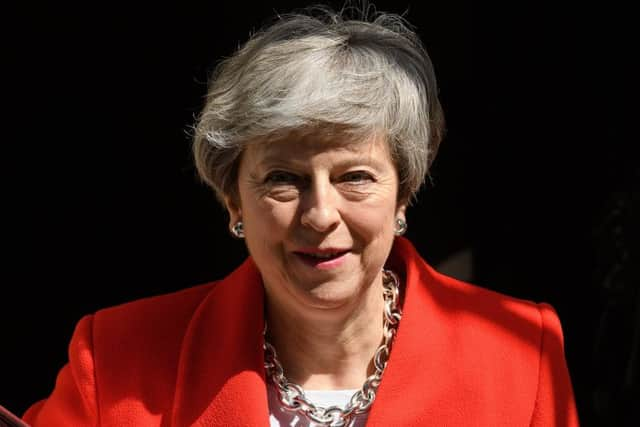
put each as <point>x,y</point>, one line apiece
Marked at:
<point>320,207</point>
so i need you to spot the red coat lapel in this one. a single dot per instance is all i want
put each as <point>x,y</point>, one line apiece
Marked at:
<point>220,374</point>
<point>443,361</point>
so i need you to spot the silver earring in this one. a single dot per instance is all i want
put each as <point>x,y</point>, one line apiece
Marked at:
<point>400,227</point>
<point>238,230</point>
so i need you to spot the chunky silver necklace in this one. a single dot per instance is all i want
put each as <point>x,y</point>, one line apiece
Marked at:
<point>292,395</point>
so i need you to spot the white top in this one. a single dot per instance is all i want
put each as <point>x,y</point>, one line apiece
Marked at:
<point>280,417</point>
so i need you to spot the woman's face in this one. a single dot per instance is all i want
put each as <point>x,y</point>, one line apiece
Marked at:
<point>318,217</point>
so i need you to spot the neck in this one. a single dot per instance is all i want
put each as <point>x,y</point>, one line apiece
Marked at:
<point>328,349</point>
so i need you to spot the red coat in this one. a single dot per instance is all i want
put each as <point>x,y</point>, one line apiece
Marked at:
<point>463,356</point>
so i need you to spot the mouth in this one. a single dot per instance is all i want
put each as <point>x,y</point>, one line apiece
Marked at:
<point>322,259</point>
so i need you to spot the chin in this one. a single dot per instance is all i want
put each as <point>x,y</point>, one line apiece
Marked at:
<point>329,295</point>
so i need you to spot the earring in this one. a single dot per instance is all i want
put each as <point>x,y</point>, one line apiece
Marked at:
<point>400,227</point>
<point>238,230</point>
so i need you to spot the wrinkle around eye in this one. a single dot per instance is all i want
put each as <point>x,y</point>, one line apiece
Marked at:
<point>283,194</point>
<point>279,177</point>
<point>361,177</point>
<point>356,191</point>
<point>279,191</point>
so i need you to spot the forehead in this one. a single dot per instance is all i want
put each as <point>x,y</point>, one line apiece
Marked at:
<point>301,147</point>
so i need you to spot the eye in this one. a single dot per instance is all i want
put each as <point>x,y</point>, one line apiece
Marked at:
<point>281,177</point>
<point>357,177</point>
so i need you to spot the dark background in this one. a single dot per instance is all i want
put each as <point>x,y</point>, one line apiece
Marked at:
<point>536,177</point>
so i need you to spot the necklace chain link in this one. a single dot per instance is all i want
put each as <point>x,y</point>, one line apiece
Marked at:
<point>292,396</point>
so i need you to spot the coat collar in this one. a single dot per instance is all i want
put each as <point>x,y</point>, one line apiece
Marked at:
<point>221,377</point>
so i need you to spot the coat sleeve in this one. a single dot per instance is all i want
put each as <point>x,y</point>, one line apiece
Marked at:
<point>555,404</point>
<point>73,401</point>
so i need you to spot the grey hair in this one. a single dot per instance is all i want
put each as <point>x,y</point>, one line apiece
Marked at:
<point>323,71</point>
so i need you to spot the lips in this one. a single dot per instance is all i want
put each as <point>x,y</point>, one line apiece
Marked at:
<point>327,253</point>
<point>322,258</point>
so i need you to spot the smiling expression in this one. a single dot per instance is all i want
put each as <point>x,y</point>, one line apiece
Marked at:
<point>318,216</point>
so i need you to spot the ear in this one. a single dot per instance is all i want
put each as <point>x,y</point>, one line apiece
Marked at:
<point>401,211</point>
<point>235,212</point>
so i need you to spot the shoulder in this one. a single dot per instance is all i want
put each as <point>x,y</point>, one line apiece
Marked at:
<point>475,314</point>
<point>148,322</point>
<point>154,315</point>
<point>463,298</point>
<point>141,338</point>
<point>158,324</point>
<point>486,341</point>
<point>496,318</point>
<point>508,350</point>
<point>527,319</point>
<point>141,335</point>
<point>480,302</point>
<point>158,308</point>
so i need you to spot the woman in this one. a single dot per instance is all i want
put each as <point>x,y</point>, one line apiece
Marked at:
<point>315,136</point>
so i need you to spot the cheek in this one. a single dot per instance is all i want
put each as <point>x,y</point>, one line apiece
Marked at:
<point>268,218</point>
<point>371,223</point>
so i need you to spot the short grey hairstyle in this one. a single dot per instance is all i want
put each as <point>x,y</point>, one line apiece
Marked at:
<point>323,71</point>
